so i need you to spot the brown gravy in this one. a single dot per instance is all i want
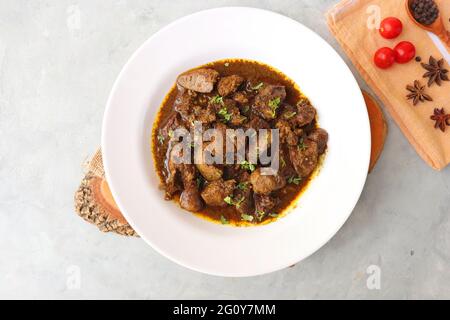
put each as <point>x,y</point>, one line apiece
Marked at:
<point>256,72</point>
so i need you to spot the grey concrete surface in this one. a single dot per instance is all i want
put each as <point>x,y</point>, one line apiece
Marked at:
<point>58,61</point>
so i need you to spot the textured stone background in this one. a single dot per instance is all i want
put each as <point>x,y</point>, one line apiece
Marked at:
<point>58,61</point>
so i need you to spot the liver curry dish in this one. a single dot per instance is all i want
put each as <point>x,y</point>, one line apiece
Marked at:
<point>238,94</point>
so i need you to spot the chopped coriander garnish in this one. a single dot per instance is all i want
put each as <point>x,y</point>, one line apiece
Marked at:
<point>217,99</point>
<point>274,104</point>
<point>224,220</point>
<point>200,181</point>
<point>302,102</point>
<point>224,114</point>
<point>301,145</point>
<point>228,200</point>
<point>274,112</point>
<point>247,217</point>
<point>245,109</point>
<point>248,166</point>
<point>258,86</point>
<point>160,138</point>
<point>260,214</point>
<point>239,202</point>
<point>242,185</point>
<point>289,115</point>
<point>283,162</point>
<point>295,180</point>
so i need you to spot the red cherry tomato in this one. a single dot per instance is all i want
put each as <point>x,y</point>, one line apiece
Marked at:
<point>404,52</point>
<point>391,28</point>
<point>384,58</point>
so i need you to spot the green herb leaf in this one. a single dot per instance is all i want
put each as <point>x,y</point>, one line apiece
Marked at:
<point>301,145</point>
<point>260,214</point>
<point>289,115</point>
<point>258,86</point>
<point>242,185</point>
<point>224,114</point>
<point>283,162</point>
<point>217,99</point>
<point>275,102</point>
<point>246,109</point>
<point>200,181</point>
<point>239,202</point>
<point>247,217</point>
<point>248,166</point>
<point>160,138</point>
<point>224,220</point>
<point>295,180</point>
<point>228,200</point>
<point>273,105</point>
<point>302,102</point>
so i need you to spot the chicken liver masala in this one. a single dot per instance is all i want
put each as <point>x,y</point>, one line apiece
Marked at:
<point>238,94</point>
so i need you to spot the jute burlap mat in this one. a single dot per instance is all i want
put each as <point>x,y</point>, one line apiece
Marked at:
<point>95,204</point>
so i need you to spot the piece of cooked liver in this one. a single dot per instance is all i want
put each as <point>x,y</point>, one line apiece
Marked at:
<point>304,157</point>
<point>216,191</point>
<point>243,195</point>
<point>209,171</point>
<point>264,203</point>
<point>190,197</point>
<point>241,98</point>
<point>199,80</point>
<point>268,95</point>
<point>306,113</point>
<point>320,136</point>
<point>228,85</point>
<point>265,184</point>
<point>286,134</point>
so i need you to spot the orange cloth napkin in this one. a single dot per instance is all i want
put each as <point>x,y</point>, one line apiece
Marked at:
<point>348,21</point>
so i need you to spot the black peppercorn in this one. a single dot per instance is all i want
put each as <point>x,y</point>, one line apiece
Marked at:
<point>425,11</point>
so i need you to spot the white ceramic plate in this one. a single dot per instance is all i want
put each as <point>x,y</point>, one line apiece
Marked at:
<point>235,33</point>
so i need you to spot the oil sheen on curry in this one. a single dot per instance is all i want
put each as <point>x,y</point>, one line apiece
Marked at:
<point>237,94</point>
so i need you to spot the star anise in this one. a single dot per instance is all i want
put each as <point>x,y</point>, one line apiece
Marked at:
<point>442,119</point>
<point>417,93</point>
<point>436,71</point>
